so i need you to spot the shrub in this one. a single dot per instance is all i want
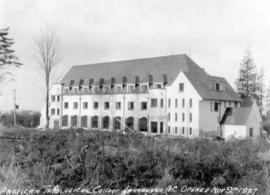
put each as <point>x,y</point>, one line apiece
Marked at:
<point>78,158</point>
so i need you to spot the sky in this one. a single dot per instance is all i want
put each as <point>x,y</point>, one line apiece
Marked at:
<point>214,33</point>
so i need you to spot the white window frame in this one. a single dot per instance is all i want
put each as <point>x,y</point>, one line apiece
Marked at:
<point>156,84</point>
<point>106,87</point>
<point>118,88</point>
<point>74,90</point>
<point>144,84</point>
<point>95,89</point>
<point>129,88</point>
<point>84,89</point>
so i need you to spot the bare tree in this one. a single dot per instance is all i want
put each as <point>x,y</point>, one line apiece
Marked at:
<point>48,54</point>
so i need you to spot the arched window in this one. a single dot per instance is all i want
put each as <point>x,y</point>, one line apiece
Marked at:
<point>84,121</point>
<point>117,123</point>
<point>105,122</point>
<point>130,123</point>
<point>143,124</point>
<point>65,120</point>
<point>74,121</point>
<point>95,122</point>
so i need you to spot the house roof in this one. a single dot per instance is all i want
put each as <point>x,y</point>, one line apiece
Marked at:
<point>239,116</point>
<point>157,67</point>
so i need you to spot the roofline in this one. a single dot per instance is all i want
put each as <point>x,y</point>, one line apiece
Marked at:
<point>127,60</point>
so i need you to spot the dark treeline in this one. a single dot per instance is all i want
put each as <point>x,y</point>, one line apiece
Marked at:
<point>24,118</point>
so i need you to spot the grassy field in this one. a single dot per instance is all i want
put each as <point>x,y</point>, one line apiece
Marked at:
<point>78,158</point>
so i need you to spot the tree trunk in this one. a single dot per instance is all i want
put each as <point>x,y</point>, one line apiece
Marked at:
<point>47,106</point>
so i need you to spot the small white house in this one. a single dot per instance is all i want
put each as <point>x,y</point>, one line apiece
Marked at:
<point>242,122</point>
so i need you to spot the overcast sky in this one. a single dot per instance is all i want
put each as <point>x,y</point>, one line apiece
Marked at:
<point>215,33</point>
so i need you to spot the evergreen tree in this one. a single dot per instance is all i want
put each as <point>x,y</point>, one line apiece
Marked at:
<point>260,89</point>
<point>247,85</point>
<point>7,56</point>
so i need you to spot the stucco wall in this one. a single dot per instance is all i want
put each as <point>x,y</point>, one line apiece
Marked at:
<point>189,92</point>
<point>209,119</point>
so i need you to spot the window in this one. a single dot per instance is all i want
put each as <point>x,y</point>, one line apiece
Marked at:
<point>95,106</point>
<point>235,104</point>
<point>175,117</point>
<point>175,130</point>
<point>181,87</point>
<point>58,111</point>
<point>84,121</point>
<point>58,98</point>
<point>183,103</point>
<point>143,105</point>
<point>144,88</point>
<point>158,85</point>
<point>153,102</point>
<point>169,103</point>
<point>118,88</point>
<point>75,90</point>
<point>130,105</point>
<point>251,132</point>
<point>161,103</point>
<point>117,123</point>
<point>131,88</point>
<point>153,127</point>
<point>169,116</point>
<point>183,130</point>
<point>85,105</point>
<point>95,122</point>
<point>65,121</point>
<point>176,103</point>
<point>130,123</point>
<point>143,124</point>
<point>95,89</point>
<point>217,87</point>
<point>169,129</point>
<point>117,105</point>
<point>52,111</point>
<point>85,89</point>
<point>106,89</point>
<point>216,106</point>
<point>53,98</point>
<point>66,91</point>
<point>183,117</point>
<point>105,122</point>
<point>190,103</point>
<point>75,105</point>
<point>106,105</point>
<point>161,127</point>
<point>190,131</point>
<point>66,105</point>
<point>190,117</point>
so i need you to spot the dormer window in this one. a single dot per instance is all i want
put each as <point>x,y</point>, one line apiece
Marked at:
<point>85,89</point>
<point>144,88</point>
<point>158,85</point>
<point>75,90</point>
<point>66,90</point>
<point>118,88</point>
<point>106,89</point>
<point>95,89</point>
<point>217,86</point>
<point>131,88</point>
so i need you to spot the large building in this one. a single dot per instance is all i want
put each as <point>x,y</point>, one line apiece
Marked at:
<point>160,95</point>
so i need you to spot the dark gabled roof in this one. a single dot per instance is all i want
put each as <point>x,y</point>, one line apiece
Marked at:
<point>239,116</point>
<point>157,67</point>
